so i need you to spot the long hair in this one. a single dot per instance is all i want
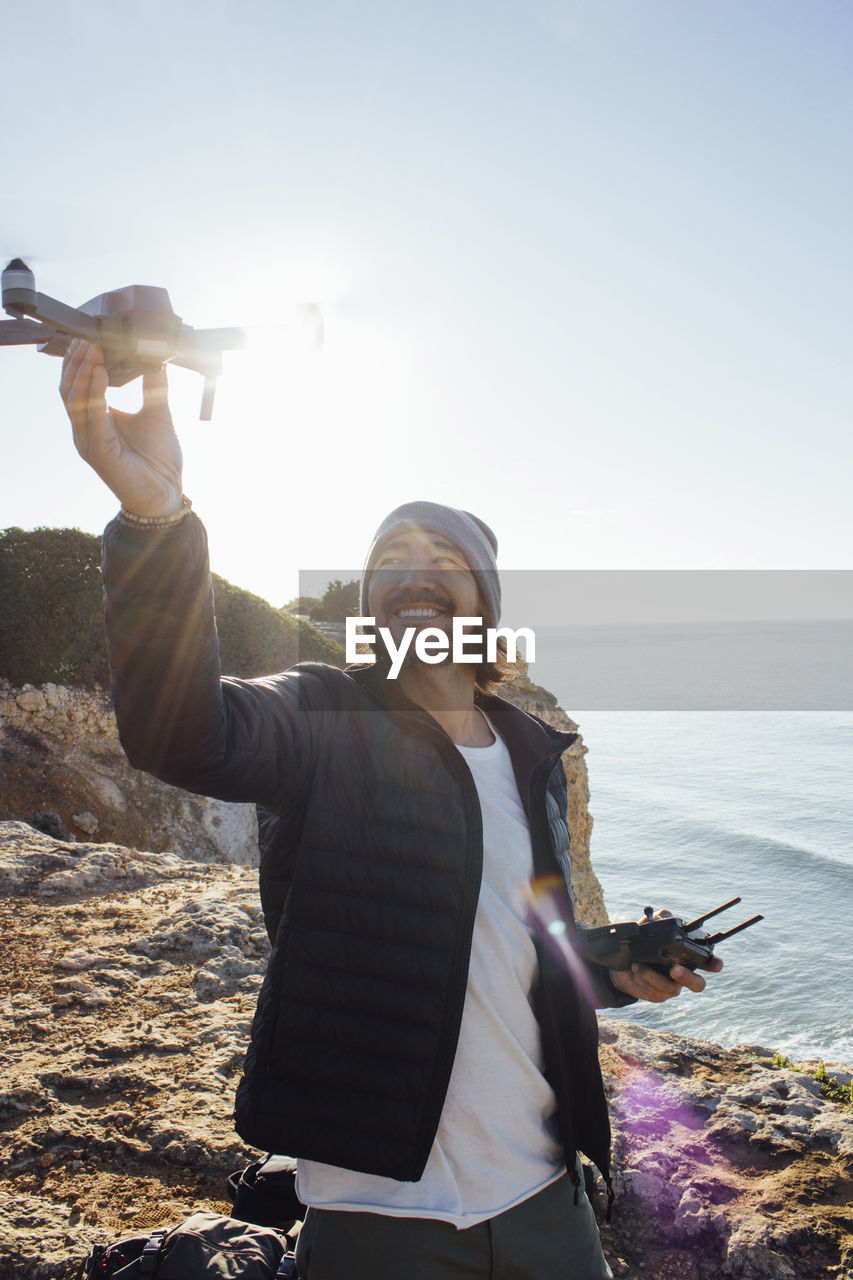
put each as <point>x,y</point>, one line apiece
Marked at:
<point>489,676</point>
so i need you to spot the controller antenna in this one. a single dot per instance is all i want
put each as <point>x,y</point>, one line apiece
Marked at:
<point>721,937</point>
<point>694,924</point>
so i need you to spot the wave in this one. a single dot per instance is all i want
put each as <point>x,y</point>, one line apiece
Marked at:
<point>726,840</point>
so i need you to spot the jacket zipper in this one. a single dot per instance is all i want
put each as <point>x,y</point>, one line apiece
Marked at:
<point>462,957</point>
<point>461,960</point>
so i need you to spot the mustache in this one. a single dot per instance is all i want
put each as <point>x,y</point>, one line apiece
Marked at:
<point>430,599</point>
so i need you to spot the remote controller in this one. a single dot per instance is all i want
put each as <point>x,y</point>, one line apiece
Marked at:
<point>660,943</point>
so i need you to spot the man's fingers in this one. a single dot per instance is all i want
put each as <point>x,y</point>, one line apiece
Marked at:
<point>155,393</point>
<point>83,387</point>
<point>655,984</point>
<point>687,978</point>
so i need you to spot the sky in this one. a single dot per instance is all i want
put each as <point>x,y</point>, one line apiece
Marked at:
<point>585,269</point>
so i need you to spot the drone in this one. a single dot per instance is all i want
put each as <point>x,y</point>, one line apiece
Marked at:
<point>135,327</point>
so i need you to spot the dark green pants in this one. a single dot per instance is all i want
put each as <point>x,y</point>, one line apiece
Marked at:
<point>547,1237</point>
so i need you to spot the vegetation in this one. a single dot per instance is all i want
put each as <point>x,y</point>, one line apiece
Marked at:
<point>340,601</point>
<point>51,610</point>
<point>51,616</point>
<point>255,638</point>
<point>829,1086</point>
<point>300,604</point>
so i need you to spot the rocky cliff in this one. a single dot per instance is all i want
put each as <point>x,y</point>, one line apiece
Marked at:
<point>128,984</point>
<point>60,756</point>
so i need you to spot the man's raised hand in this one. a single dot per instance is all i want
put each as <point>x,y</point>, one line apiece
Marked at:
<point>136,454</point>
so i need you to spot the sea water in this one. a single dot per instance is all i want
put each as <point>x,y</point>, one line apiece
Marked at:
<point>692,808</point>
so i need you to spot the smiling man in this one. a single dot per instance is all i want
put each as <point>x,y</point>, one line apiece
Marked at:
<point>417,1045</point>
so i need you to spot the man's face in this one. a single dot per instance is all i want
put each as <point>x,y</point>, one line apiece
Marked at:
<point>421,579</point>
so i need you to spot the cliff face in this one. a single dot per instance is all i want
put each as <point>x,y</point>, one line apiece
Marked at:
<point>127,985</point>
<point>589,900</point>
<point>60,754</point>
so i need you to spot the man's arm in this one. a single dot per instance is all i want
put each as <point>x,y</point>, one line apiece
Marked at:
<point>241,740</point>
<point>238,740</point>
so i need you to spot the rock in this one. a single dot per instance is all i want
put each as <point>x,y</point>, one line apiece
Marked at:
<point>39,1238</point>
<point>226,973</point>
<point>55,695</point>
<point>50,824</point>
<point>751,1254</point>
<point>734,1160</point>
<point>201,927</point>
<point>30,699</point>
<point>86,821</point>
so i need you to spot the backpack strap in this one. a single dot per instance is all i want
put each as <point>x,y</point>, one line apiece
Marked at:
<point>149,1263</point>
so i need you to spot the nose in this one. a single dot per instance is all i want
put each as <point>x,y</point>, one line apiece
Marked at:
<point>418,573</point>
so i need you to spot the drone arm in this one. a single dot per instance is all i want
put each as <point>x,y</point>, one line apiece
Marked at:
<point>52,313</point>
<point>67,319</point>
<point>18,332</point>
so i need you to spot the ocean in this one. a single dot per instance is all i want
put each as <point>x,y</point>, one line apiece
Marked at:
<point>694,807</point>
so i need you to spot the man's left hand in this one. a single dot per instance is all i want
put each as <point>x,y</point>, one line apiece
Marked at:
<point>645,983</point>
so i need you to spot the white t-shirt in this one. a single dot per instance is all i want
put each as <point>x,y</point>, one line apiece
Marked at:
<point>495,1144</point>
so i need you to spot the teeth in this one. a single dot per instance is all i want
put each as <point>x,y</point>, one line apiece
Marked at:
<point>419,613</point>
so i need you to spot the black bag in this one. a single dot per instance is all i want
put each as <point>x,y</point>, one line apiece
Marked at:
<point>265,1193</point>
<point>204,1247</point>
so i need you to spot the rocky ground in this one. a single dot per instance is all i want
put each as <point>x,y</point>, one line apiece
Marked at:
<point>127,988</point>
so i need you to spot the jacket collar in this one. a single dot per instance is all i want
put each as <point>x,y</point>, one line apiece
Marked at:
<point>528,738</point>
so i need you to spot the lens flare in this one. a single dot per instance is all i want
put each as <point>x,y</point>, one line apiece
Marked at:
<point>551,919</point>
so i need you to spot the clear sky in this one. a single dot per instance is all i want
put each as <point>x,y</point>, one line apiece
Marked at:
<point>585,267</point>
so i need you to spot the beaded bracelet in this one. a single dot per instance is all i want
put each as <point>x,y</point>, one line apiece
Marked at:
<point>157,522</point>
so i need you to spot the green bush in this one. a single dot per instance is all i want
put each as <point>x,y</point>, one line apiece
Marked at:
<point>830,1088</point>
<point>300,604</point>
<point>51,610</point>
<point>51,616</point>
<point>256,639</point>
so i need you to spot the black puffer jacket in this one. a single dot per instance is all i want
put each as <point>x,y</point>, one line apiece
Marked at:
<point>371,859</point>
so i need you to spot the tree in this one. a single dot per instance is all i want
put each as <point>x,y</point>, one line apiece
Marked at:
<point>340,601</point>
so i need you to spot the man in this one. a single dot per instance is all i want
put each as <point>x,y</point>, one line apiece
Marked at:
<point>422,1050</point>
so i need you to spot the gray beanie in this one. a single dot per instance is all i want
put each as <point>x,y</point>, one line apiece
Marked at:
<point>472,536</point>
